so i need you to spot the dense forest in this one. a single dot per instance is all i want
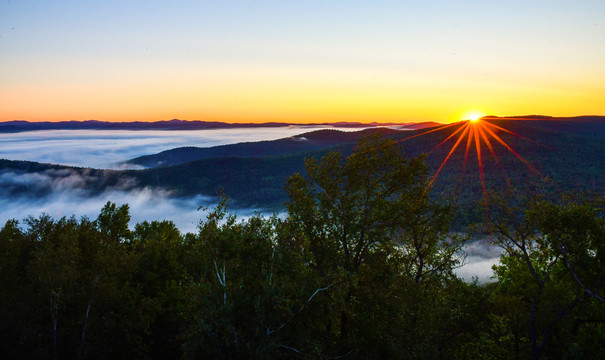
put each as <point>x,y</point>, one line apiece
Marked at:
<point>360,266</point>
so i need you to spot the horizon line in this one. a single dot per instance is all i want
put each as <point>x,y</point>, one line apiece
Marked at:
<point>389,123</point>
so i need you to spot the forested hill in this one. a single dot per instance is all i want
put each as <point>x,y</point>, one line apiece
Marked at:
<point>311,141</point>
<point>573,159</point>
<point>570,152</point>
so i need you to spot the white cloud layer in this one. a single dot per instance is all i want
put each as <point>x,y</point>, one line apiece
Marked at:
<point>106,148</point>
<point>480,257</point>
<point>145,204</point>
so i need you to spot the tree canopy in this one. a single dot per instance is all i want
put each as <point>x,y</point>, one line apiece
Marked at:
<point>361,265</point>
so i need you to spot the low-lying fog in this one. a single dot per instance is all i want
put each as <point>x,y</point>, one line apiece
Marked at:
<point>144,205</point>
<point>106,148</point>
<point>480,256</point>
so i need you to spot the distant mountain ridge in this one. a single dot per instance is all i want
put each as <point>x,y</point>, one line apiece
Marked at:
<point>176,124</point>
<point>579,118</point>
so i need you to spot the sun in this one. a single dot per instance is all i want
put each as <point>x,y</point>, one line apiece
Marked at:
<point>472,116</point>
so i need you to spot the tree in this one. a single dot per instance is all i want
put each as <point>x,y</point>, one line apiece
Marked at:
<point>375,241</point>
<point>576,232</point>
<point>160,274</point>
<point>73,293</point>
<point>54,267</point>
<point>551,266</point>
<point>19,310</point>
<point>244,288</point>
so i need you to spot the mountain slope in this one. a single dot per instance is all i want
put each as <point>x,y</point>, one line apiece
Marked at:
<point>311,141</point>
<point>574,160</point>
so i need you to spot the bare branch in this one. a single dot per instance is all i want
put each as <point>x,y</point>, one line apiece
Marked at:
<point>269,331</point>
<point>320,289</point>
<point>341,356</point>
<point>290,348</point>
<point>92,297</point>
<point>574,273</point>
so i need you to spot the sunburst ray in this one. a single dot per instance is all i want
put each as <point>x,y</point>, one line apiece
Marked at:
<point>495,136</point>
<point>448,156</point>
<point>509,132</point>
<point>480,160</point>
<point>463,127</point>
<point>492,151</point>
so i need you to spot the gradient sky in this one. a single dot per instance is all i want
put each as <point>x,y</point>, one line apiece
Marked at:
<point>299,61</point>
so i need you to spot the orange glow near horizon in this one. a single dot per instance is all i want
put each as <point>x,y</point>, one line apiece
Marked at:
<point>280,97</point>
<point>281,101</point>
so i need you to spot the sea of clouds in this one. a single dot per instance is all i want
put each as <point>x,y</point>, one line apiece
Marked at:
<point>61,193</point>
<point>106,149</point>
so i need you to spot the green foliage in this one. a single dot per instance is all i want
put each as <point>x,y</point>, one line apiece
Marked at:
<point>550,276</point>
<point>361,266</point>
<point>374,236</point>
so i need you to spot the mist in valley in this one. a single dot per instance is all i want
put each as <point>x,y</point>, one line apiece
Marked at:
<point>107,149</point>
<point>60,193</point>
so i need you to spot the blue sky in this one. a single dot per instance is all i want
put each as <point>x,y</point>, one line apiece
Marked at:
<point>315,60</point>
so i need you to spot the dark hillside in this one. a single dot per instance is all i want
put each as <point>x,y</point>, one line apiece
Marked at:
<point>570,159</point>
<point>312,141</point>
